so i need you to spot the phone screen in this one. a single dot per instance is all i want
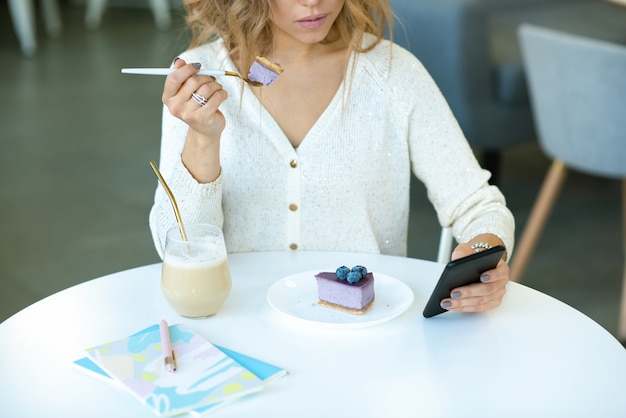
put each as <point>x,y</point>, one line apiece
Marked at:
<point>461,272</point>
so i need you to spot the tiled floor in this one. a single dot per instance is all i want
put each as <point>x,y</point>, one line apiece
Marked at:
<point>75,185</point>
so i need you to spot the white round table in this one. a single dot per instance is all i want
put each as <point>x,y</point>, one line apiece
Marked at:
<point>533,356</point>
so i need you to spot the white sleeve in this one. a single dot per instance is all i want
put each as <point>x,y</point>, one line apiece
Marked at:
<point>442,159</point>
<point>197,203</point>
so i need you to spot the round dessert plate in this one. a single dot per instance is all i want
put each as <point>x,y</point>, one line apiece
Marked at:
<point>296,297</point>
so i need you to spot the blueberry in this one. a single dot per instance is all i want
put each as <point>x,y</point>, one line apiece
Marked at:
<point>342,272</point>
<point>353,277</point>
<point>360,269</point>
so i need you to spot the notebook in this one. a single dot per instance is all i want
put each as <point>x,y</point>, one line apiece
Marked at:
<point>207,376</point>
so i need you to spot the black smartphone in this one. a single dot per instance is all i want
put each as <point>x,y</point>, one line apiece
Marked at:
<point>461,272</point>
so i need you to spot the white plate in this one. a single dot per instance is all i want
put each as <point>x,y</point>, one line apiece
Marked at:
<point>296,297</point>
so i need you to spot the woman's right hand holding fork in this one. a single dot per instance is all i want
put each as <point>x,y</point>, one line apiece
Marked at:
<point>195,100</point>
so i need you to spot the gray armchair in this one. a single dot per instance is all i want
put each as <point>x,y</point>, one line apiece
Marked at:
<point>578,90</point>
<point>471,50</point>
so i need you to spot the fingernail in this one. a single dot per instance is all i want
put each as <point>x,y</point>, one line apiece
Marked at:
<point>484,278</point>
<point>455,295</point>
<point>446,304</point>
<point>176,60</point>
<point>196,65</point>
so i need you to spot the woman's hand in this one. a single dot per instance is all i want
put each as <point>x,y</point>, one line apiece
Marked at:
<point>206,123</point>
<point>480,296</point>
<point>206,119</point>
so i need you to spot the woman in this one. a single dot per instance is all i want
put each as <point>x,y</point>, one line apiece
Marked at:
<point>322,158</point>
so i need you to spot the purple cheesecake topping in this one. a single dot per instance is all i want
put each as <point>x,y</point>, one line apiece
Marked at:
<point>264,71</point>
<point>341,293</point>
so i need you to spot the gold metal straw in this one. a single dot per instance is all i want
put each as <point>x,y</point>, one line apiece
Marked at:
<point>183,234</point>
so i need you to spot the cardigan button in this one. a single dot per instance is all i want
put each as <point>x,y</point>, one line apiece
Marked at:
<point>293,207</point>
<point>293,246</point>
<point>293,163</point>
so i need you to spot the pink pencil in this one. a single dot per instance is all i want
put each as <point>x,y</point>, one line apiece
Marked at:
<point>166,344</point>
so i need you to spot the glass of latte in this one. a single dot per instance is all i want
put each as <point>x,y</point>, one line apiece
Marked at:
<point>195,278</point>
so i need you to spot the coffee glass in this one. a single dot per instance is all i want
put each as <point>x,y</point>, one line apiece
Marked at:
<point>195,278</point>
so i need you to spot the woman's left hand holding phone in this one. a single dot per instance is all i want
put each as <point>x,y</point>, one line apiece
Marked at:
<point>483,296</point>
<point>195,100</point>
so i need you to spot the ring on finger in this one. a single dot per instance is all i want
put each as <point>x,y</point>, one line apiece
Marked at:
<point>198,98</point>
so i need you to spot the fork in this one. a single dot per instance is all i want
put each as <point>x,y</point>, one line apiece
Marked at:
<point>212,73</point>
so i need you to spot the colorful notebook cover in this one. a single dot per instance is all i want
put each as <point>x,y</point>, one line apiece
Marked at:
<point>205,375</point>
<point>264,371</point>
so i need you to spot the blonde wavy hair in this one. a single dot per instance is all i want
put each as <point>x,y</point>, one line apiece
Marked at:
<point>246,29</point>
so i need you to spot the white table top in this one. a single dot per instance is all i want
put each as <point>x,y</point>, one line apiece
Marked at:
<point>533,356</point>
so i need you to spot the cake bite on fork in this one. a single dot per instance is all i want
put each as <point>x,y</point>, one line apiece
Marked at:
<point>264,71</point>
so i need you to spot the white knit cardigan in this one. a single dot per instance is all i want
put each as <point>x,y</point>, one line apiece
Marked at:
<point>346,187</point>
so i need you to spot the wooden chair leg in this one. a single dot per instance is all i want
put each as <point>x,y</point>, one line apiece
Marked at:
<point>538,216</point>
<point>622,314</point>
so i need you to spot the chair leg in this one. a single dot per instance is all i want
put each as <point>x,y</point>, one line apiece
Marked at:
<point>445,245</point>
<point>93,15</point>
<point>23,14</point>
<point>538,216</point>
<point>161,12</point>
<point>492,161</point>
<point>622,314</point>
<point>52,17</point>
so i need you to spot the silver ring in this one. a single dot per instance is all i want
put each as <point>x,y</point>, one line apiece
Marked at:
<point>200,99</point>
